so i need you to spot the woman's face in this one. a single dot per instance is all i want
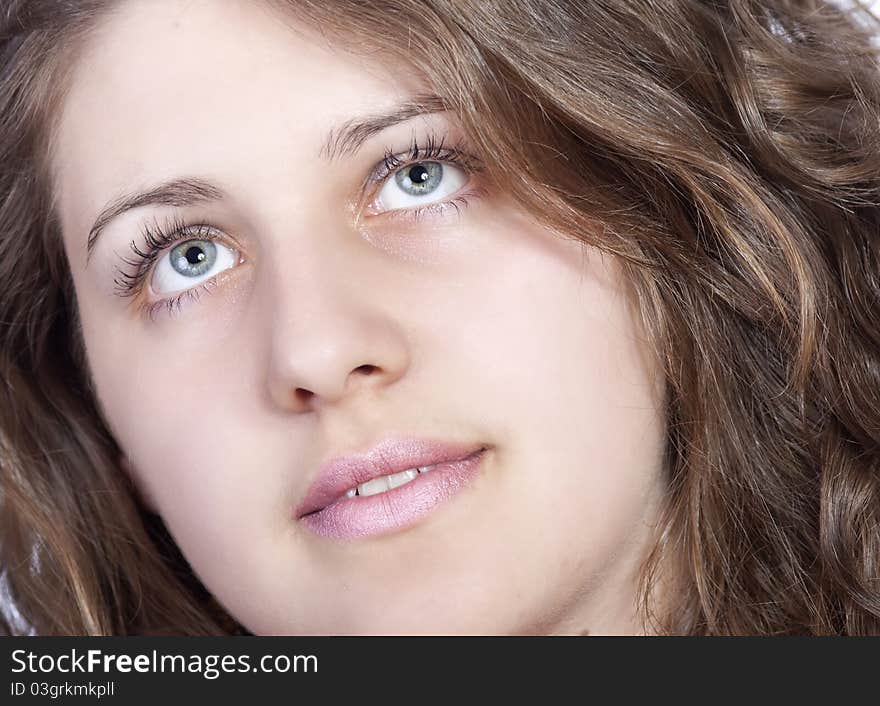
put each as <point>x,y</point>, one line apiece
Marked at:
<point>323,310</point>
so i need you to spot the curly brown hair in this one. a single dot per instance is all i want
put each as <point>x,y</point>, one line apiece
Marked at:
<point>727,152</point>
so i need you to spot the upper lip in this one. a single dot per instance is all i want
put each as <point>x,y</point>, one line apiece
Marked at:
<point>338,475</point>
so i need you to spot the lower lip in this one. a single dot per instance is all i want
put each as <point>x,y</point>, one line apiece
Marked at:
<point>363,516</point>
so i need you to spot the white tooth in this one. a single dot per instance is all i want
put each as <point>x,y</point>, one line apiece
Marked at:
<point>425,469</point>
<point>398,479</point>
<point>351,493</point>
<point>374,487</point>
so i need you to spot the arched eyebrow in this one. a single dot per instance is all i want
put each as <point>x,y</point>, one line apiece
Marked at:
<point>341,141</point>
<point>177,192</point>
<point>347,139</point>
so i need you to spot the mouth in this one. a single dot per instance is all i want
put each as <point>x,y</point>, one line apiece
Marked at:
<point>383,484</point>
<point>390,487</point>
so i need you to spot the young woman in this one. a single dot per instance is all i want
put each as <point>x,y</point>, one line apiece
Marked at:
<point>439,317</point>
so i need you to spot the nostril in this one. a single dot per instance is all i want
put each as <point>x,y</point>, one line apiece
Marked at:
<point>302,394</point>
<point>366,369</point>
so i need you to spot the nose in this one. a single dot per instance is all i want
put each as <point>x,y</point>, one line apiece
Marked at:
<point>331,339</point>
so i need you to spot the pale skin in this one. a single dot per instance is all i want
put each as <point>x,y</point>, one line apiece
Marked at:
<point>475,325</point>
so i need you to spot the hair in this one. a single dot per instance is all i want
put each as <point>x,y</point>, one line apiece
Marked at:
<point>726,152</point>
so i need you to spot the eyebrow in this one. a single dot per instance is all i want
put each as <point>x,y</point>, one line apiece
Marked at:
<point>178,192</point>
<point>348,138</point>
<point>344,140</point>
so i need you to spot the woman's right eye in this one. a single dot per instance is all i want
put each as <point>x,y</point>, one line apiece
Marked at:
<point>190,263</point>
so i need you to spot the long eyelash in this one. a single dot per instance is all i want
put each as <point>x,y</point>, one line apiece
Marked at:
<point>433,150</point>
<point>157,237</point>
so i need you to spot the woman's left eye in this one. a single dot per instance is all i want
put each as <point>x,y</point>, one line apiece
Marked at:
<point>190,263</point>
<point>419,183</point>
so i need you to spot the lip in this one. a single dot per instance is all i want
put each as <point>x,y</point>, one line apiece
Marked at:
<point>328,512</point>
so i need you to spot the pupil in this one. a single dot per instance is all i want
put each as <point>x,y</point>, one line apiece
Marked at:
<point>418,174</point>
<point>195,255</point>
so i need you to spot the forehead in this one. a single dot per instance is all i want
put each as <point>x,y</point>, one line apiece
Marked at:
<point>192,86</point>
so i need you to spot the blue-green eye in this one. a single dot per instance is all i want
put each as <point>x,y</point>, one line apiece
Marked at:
<point>193,258</point>
<point>190,263</point>
<point>420,183</point>
<point>420,179</point>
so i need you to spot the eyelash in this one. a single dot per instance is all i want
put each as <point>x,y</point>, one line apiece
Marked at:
<point>433,151</point>
<point>158,237</point>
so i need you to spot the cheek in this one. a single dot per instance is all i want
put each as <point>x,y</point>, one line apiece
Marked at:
<point>182,399</point>
<point>563,371</point>
<point>214,466</point>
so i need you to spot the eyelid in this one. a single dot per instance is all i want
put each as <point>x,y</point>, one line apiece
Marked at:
<point>433,151</point>
<point>176,230</point>
<point>164,258</point>
<point>392,162</point>
<point>159,239</point>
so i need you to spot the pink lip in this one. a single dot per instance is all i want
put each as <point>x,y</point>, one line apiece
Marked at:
<point>328,512</point>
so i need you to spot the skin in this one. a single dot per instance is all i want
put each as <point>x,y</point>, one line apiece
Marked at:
<point>477,326</point>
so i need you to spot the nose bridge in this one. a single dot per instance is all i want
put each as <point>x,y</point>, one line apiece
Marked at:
<point>333,330</point>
